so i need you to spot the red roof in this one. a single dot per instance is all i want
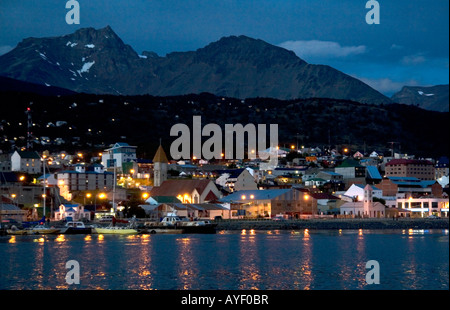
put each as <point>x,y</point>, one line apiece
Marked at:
<point>408,162</point>
<point>179,187</point>
<point>210,197</point>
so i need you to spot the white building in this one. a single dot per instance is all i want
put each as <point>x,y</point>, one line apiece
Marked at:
<point>119,154</point>
<point>236,180</point>
<point>73,211</point>
<point>27,162</point>
<point>356,192</point>
<point>424,206</point>
<point>365,208</point>
<point>80,179</point>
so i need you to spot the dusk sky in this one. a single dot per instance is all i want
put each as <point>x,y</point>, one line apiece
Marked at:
<point>410,46</point>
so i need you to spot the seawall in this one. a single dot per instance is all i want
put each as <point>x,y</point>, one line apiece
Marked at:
<point>334,224</point>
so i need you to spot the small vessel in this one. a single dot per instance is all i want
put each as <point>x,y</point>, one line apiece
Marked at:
<point>16,231</point>
<point>118,230</point>
<point>72,228</point>
<point>43,230</point>
<point>180,225</point>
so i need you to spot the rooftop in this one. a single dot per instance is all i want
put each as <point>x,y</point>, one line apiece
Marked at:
<point>257,195</point>
<point>160,156</point>
<point>409,162</point>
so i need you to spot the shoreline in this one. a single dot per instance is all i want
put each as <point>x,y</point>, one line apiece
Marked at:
<point>330,224</point>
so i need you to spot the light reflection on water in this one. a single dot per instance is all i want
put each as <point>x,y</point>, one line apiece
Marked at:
<point>293,260</point>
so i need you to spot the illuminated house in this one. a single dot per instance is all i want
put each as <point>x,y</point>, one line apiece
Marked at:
<point>356,192</point>
<point>74,212</point>
<point>237,179</point>
<point>28,162</point>
<point>271,202</point>
<point>366,208</point>
<point>188,191</point>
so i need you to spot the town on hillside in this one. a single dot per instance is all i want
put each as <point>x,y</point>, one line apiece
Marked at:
<point>307,183</point>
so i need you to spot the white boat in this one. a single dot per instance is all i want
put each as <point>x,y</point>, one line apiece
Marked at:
<point>116,230</point>
<point>185,226</point>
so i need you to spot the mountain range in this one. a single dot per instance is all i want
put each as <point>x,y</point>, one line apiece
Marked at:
<point>434,98</point>
<point>97,61</point>
<point>74,122</point>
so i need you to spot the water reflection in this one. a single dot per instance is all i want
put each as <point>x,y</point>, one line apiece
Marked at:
<point>301,259</point>
<point>249,273</point>
<point>304,273</point>
<point>186,269</point>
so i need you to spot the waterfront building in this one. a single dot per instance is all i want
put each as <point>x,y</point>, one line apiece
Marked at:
<point>268,203</point>
<point>423,206</point>
<point>74,212</point>
<point>366,208</point>
<point>356,192</point>
<point>11,211</point>
<point>188,190</point>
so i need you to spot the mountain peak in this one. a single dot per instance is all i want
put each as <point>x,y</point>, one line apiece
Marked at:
<point>433,98</point>
<point>98,61</point>
<point>250,49</point>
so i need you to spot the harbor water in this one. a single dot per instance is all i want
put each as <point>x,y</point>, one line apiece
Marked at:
<point>229,260</point>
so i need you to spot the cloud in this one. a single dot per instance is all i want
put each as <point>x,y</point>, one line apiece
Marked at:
<point>387,86</point>
<point>322,49</point>
<point>413,59</point>
<point>396,47</point>
<point>5,49</point>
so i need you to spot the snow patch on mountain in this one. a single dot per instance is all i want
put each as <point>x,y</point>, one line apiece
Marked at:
<point>423,94</point>
<point>86,67</point>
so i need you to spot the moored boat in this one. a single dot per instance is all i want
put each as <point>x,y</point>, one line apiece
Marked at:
<point>72,228</point>
<point>118,230</point>
<point>115,230</point>
<point>43,230</point>
<point>16,231</point>
<point>179,225</point>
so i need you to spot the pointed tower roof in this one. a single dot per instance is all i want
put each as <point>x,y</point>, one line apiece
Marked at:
<point>160,156</point>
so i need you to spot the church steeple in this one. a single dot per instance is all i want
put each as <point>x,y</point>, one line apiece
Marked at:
<point>160,162</point>
<point>160,156</point>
